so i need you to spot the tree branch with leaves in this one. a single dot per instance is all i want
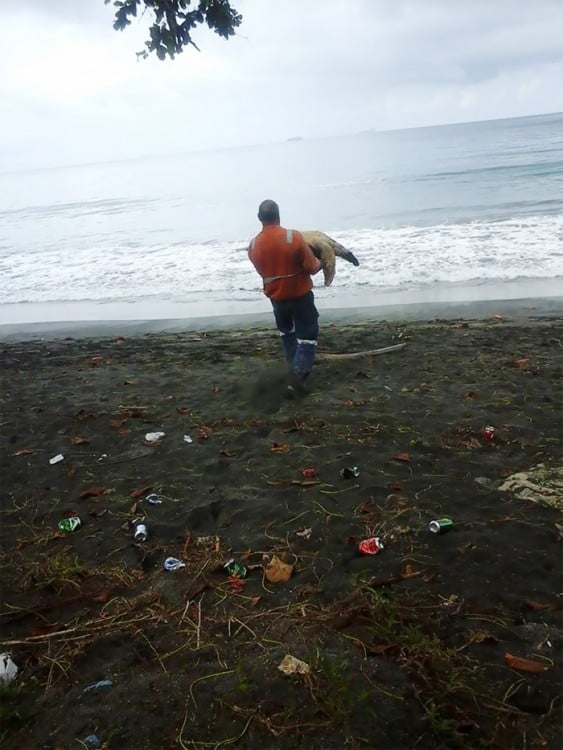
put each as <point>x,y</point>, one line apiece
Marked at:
<point>173,22</point>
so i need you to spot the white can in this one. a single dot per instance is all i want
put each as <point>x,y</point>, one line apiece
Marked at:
<point>8,669</point>
<point>141,533</point>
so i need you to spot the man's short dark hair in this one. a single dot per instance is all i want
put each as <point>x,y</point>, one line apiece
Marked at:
<point>269,212</point>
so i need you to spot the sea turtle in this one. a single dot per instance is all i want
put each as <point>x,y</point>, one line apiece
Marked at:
<point>326,250</point>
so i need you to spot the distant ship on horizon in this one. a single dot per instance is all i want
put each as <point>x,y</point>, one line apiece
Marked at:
<point>295,138</point>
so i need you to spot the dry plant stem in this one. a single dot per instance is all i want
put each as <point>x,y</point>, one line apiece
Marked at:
<point>199,623</point>
<point>244,625</point>
<point>206,677</point>
<point>185,612</point>
<point>89,626</point>
<point>155,652</point>
<point>365,353</point>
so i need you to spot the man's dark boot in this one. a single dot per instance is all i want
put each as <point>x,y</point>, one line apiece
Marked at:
<point>296,386</point>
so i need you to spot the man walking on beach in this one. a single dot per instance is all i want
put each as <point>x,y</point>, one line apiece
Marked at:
<point>285,262</point>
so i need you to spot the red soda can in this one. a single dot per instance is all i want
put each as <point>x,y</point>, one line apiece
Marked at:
<point>488,432</point>
<point>372,546</point>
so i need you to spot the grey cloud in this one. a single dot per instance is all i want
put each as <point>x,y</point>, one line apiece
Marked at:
<point>67,11</point>
<point>414,42</point>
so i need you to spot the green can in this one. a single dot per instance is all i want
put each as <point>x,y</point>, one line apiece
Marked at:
<point>235,569</point>
<point>70,524</point>
<point>441,525</point>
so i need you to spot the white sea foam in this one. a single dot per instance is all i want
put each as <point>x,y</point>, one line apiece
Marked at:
<point>403,258</point>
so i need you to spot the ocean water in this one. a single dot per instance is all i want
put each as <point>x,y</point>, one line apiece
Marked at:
<point>473,204</point>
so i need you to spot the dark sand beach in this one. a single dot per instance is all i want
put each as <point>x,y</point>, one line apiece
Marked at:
<point>439,641</point>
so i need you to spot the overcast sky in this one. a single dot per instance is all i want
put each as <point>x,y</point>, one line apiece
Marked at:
<point>72,90</point>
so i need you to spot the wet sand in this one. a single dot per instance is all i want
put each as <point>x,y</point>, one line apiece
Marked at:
<point>405,648</point>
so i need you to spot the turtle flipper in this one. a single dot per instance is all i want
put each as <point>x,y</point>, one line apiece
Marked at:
<point>346,254</point>
<point>340,251</point>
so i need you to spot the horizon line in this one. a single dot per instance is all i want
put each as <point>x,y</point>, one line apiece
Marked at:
<point>271,143</point>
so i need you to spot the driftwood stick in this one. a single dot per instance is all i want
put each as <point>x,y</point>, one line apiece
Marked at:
<point>366,353</point>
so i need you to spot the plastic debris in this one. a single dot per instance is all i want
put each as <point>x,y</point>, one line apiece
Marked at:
<point>237,584</point>
<point>98,685</point>
<point>70,524</point>
<point>235,569</point>
<point>188,439</point>
<point>8,670</point>
<point>102,457</point>
<point>172,563</point>
<point>525,665</point>
<point>350,471</point>
<point>290,665</point>
<point>154,437</point>
<point>305,533</point>
<point>56,459</point>
<point>372,546</point>
<point>92,741</point>
<point>441,525</point>
<point>23,452</point>
<point>154,499</point>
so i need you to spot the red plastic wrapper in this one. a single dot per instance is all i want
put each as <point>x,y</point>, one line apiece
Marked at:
<point>371,546</point>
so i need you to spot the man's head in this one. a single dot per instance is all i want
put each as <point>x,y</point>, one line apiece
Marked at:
<point>269,212</point>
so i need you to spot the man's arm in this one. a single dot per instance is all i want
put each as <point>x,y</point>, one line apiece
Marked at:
<point>310,263</point>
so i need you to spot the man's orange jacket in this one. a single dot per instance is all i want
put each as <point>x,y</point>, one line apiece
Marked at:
<point>284,261</point>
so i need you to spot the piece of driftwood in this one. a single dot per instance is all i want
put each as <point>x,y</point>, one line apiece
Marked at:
<point>365,353</point>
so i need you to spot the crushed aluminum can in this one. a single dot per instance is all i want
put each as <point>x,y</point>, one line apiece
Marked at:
<point>70,524</point>
<point>56,459</point>
<point>8,670</point>
<point>154,499</point>
<point>92,742</point>
<point>235,569</point>
<point>172,563</point>
<point>372,546</point>
<point>141,532</point>
<point>98,685</point>
<point>350,471</point>
<point>154,437</point>
<point>488,432</point>
<point>440,525</point>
